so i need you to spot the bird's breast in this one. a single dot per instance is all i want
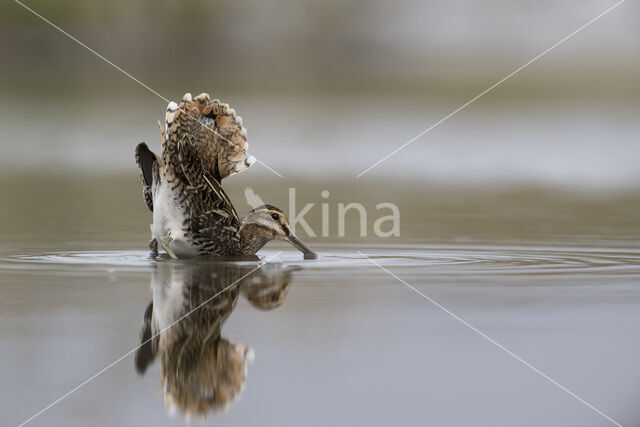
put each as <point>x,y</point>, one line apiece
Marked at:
<point>169,215</point>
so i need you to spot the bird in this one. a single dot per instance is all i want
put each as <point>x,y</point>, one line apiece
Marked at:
<point>203,142</point>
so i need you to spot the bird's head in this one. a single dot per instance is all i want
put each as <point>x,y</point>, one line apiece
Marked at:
<point>266,223</point>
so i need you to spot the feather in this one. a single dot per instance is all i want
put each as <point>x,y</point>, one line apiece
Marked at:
<point>216,132</point>
<point>146,161</point>
<point>252,198</point>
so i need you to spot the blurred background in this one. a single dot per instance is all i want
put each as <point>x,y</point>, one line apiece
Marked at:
<point>321,81</point>
<point>326,89</point>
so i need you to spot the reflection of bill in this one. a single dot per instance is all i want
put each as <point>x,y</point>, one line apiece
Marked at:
<point>199,370</point>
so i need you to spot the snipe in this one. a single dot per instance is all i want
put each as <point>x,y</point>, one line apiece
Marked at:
<point>203,142</point>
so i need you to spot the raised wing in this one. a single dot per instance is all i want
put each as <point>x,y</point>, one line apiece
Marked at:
<point>148,165</point>
<point>216,132</point>
<point>213,221</point>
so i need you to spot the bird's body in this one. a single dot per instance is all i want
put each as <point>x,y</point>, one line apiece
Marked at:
<point>203,142</point>
<point>169,220</point>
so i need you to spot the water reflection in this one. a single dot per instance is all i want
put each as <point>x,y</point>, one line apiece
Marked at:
<point>200,371</point>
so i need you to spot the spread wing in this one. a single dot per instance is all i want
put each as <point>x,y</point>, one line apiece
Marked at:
<point>216,131</point>
<point>213,221</point>
<point>148,165</point>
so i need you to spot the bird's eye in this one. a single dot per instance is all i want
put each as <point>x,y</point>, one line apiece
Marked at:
<point>275,216</point>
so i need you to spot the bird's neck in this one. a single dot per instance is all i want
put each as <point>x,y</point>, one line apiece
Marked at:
<point>252,238</point>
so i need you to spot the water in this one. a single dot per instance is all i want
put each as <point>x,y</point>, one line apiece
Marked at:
<point>551,276</point>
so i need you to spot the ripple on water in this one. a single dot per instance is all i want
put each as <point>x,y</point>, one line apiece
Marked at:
<point>431,260</point>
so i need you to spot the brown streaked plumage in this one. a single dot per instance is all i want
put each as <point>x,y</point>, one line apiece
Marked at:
<point>203,142</point>
<point>217,134</point>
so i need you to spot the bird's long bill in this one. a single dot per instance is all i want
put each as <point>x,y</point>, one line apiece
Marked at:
<point>308,253</point>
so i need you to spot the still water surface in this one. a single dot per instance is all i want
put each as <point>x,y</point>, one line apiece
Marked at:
<point>553,277</point>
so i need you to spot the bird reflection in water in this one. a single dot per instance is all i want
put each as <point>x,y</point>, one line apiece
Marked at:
<point>200,371</point>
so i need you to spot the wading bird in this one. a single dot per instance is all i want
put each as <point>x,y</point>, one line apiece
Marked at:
<point>203,142</point>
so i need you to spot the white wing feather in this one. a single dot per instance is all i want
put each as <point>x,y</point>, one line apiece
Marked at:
<point>252,198</point>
